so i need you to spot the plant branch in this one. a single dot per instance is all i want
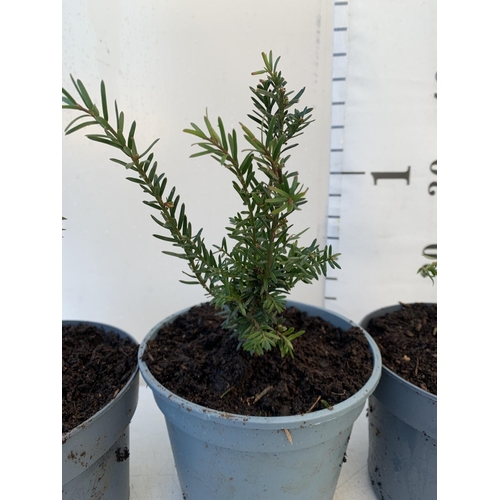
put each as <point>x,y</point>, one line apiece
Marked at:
<point>251,278</point>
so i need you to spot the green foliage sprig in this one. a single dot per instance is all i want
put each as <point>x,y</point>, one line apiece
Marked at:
<point>428,271</point>
<point>250,278</point>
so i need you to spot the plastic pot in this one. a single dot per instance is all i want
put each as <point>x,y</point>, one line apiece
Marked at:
<point>95,454</point>
<point>226,456</point>
<point>402,456</point>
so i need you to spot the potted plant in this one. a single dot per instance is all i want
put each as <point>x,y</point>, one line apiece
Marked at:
<point>100,380</point>
<point>402,416</point>
<point>259,393</point>
<point>100,388</point>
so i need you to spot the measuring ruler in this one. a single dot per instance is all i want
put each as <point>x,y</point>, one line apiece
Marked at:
<point>383,167</point>
<point>339,77</point>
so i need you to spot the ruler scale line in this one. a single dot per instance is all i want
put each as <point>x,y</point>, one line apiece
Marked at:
<point>339,82</point>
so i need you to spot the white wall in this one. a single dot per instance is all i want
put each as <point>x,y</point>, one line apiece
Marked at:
<point>390,126</point>
<point>166,62</point>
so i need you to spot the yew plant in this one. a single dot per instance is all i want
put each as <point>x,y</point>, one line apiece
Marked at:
<point>250,273</point>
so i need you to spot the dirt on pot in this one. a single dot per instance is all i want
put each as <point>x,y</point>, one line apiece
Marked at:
<point>199,361</point>
<point>407,340</point>
<point>96,366</point>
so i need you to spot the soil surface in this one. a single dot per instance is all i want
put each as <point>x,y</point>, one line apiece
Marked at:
<point>96,366</point>
<point>197,359</point>
<point>408,343</point>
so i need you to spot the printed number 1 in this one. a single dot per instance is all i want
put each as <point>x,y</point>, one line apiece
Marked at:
<point>392,175</point>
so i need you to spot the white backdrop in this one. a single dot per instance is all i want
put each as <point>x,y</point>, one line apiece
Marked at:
<point>383,181</point>
<point>165,63</point>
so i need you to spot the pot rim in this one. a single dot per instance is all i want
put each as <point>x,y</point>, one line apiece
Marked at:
<point>312,418</point>
<point>388,309</point>
<point>414,387</point>
<point>109,328</point>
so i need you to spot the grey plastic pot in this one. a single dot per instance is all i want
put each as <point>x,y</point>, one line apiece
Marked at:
<point>226,456</point>
<point>95,454</point>
<point>402,456</point>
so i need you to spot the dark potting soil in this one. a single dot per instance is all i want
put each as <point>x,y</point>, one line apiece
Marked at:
<point>408,343</point>
<point>96,365</point>
<point>197,359</point>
